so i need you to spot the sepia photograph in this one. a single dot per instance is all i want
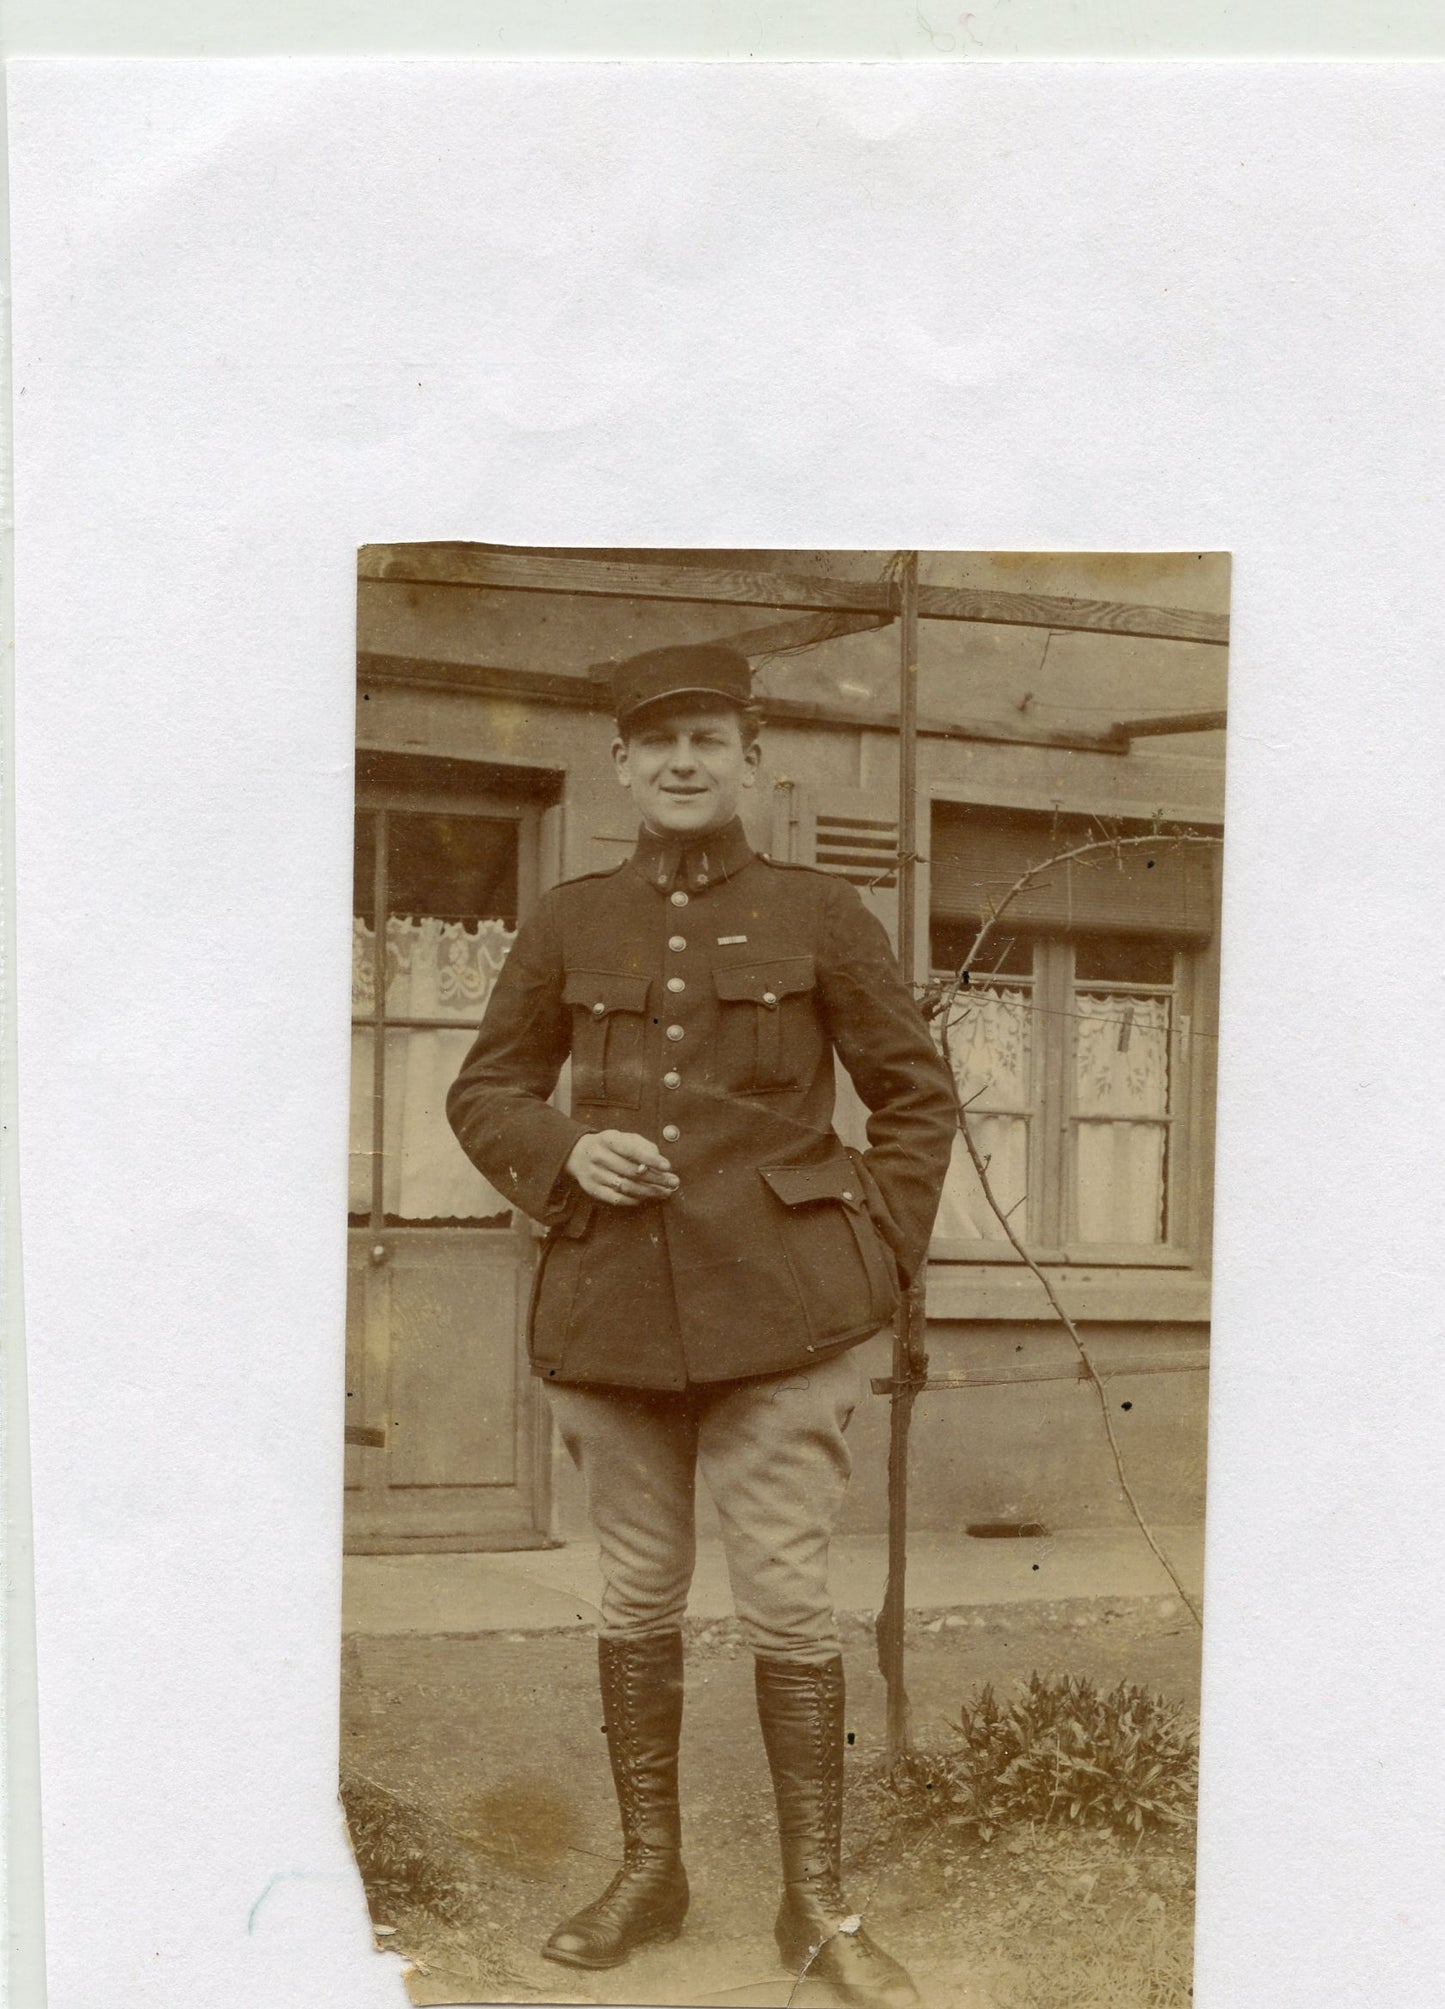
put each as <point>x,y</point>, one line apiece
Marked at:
<point>784,1043</point>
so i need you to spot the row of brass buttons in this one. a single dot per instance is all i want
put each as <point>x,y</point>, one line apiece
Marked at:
<point>672,1079</point>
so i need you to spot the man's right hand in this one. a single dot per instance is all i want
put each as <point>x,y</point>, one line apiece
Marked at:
<point>620,1169</point>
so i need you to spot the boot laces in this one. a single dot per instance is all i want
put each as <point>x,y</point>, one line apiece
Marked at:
<point>636,1864</point>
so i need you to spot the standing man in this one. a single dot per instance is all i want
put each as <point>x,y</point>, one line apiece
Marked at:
<point>713,1256</point>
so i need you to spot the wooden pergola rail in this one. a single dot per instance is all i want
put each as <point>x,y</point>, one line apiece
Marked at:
<point>525,572</point>
<point>591,694</point>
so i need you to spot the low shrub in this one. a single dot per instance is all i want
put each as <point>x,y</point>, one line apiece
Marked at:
<point>1060,1752</point>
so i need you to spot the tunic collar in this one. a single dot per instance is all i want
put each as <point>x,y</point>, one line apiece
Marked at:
<point>694,862</point>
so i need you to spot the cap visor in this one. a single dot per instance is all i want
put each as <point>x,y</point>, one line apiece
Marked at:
<point>657,698</point>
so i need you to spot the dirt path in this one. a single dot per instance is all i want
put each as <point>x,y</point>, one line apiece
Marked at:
<point>497,1739</point>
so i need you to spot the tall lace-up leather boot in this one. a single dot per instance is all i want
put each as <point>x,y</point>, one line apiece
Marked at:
<point>646,1901</point>
<point>801,1710</point>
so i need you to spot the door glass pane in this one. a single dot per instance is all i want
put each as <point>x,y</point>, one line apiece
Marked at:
<point>444,951</point>
<point>989,1037</point>
<point>435,968</point>
<point>452,867</point>
<point>363,870</point>
<point>428,1176</point>
<point>358,1185</point>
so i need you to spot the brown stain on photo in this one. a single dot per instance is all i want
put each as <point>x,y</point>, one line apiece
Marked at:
<point>523,1819</point>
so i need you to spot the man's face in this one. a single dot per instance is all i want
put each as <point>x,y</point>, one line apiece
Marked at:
<point>686,769</point>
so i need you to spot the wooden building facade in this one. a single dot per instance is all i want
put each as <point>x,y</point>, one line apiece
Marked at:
<point>1065,703</point>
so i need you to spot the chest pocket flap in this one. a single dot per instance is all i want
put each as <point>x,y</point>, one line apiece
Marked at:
<point>607,1035</point>
<point>765,983</point>
<point>604,991</point>
<point>766,1048</point>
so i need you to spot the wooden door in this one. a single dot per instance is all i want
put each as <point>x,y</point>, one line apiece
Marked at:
<point>444,1435</point>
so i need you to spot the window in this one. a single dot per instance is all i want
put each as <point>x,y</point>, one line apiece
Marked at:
<point>1076,1042</point>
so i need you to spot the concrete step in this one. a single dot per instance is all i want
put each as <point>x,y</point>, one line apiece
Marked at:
<point>546,1590</point>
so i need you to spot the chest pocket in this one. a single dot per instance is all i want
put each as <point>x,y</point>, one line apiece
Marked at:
<point>768,1034</point>
<point>608,1023</point>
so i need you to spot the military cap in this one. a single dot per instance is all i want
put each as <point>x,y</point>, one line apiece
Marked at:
<point>688,669</point>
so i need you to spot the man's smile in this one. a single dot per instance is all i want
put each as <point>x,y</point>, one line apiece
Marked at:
<point>686,768</point>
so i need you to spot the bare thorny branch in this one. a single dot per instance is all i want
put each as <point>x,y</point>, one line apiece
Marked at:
<point>945,1004</point>
<point>996,908</point>
<point>980,1166</point>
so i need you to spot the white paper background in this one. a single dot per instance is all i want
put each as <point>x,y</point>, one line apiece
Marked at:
<point>265,312</point>
<point>739,29</point>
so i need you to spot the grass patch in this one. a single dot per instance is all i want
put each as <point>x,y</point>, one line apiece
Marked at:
<point>1142,1965</point>
<point>422,1885</point>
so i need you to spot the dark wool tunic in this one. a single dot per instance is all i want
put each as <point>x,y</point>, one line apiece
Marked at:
<point>701,993</point>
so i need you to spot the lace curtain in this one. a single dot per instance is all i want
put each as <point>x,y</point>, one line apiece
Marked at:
<point>434,969</point>
<point>1120,1048</point>
<point>1121,1075</point>
<point>990,1043</point>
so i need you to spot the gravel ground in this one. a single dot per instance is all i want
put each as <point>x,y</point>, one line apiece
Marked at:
<point>491,1748</point>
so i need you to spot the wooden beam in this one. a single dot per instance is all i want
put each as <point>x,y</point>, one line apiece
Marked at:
<point>1161,724</point>
<point>1194,1360</point>
<point>525,572</point>
<point>779,637</point>
<point>1057,611</point>
<point>592,694</point>
<point>485,680</point>
<point>994,732</point>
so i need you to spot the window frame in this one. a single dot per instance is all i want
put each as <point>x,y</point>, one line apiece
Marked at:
<point>1180,1264</point>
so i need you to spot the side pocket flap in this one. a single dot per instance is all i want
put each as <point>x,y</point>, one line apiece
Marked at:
<point>796,1185</point>
<point>604,991</point>
<point>765,983</point>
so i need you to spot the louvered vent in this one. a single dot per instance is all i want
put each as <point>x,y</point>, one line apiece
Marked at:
<point>862,849</point>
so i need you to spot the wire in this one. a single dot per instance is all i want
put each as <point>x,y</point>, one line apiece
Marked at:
<point>1104,1018</point>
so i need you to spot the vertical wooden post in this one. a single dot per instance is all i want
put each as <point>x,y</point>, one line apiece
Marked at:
<point>910,1358</point>
<point>381,899</point>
